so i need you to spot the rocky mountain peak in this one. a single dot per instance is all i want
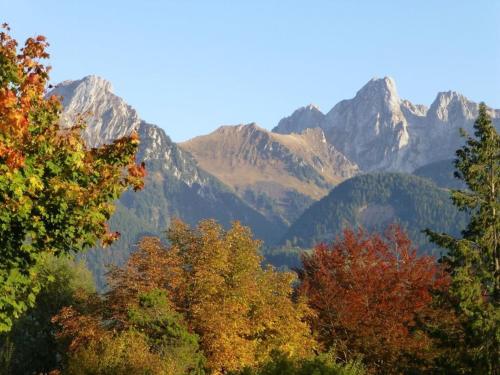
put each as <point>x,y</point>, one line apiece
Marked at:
<point>108,116</point>
<point>309,116</point>
<point>451,104</point>
<point>278,174</point>
<point>379,89</point>
<point>87,87</point>
<point>378,130</point>
<point>311,107</point>
<point>371,127</point>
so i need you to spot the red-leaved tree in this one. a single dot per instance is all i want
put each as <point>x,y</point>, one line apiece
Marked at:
<point>372,294</point>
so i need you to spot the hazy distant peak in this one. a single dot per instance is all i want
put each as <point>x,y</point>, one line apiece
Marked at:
<point>309,116</point>
<point>452,103</point>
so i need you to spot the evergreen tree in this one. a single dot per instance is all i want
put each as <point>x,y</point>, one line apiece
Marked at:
<point>474,259</point>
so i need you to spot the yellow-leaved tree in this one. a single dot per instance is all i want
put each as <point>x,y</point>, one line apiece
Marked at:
<point>242,311</point>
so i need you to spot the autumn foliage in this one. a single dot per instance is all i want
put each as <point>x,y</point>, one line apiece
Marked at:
<point>241,311</point>
<point>371,294</point>
<point>55,193</point>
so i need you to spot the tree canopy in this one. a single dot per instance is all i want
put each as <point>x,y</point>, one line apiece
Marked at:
<point>30,347</point>
<point>214,278</point>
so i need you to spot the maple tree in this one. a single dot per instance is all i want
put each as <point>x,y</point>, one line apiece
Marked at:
<point>369,293</point>
<point>55,193</point>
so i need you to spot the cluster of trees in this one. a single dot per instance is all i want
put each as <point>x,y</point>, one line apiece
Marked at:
<point>202,302</point>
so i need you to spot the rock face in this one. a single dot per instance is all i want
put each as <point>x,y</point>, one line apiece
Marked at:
<point>109,117</point>
<point>380,131</point>
<point>436,136</point>
<point>371,128</point>
<point>272,172</point>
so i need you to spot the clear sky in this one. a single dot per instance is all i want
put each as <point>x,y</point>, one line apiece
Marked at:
<point>191,66</point>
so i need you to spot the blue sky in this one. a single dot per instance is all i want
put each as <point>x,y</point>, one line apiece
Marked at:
<point>191,66</point>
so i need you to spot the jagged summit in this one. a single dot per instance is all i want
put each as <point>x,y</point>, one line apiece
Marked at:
<point>447,102</point>
<point>371,127</point>
<point>379,88</point>
<point>110,117</point>
<point>311,107</point>
<point>88,85</point>
<point>309,116</point>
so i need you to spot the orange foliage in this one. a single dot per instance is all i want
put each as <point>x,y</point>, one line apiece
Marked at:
<point>370,294</point>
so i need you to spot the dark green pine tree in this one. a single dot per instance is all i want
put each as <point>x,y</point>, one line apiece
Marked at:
<point>474,259</point>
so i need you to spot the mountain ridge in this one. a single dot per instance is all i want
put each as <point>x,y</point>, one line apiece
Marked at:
<point>270,177</point>
<point>275,167</point>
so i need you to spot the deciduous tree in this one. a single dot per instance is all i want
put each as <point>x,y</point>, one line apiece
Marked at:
<point>369,293</point>
<point>241,311</point>
<point>148,337</point>
<point>55,193</point>
<point>32,340</point>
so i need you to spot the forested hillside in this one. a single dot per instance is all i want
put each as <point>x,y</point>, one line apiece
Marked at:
<point>441,173</point>
<point>373,201</point>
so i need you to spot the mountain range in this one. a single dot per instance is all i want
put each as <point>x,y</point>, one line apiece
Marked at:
<point>175,186</point>
<point>266,179</point>
<point>379,131</point>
